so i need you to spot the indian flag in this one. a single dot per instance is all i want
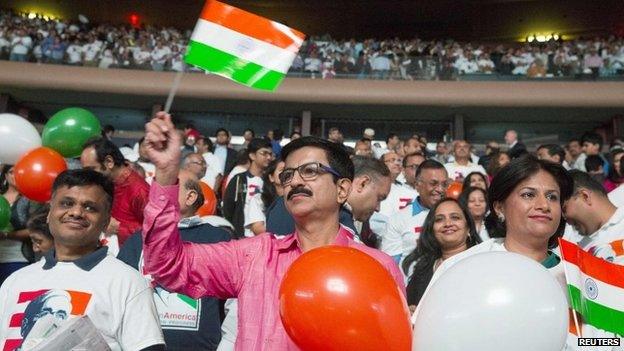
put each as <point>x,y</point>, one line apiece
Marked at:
<point>596,288</point>
<point>243,47</point>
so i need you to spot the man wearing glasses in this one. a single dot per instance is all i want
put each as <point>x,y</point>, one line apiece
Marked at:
<point>317,181</point>
<point>403,229</point>
<point>245,185</point>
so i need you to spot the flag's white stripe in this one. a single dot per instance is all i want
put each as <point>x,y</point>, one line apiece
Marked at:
<point>608,295</point>
<point>243,46</point>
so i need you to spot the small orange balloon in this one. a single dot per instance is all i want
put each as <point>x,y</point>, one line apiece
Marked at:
<point>340,298</point>
<point>210,201</point>
<point>36,171</point>
<point>454,190</point>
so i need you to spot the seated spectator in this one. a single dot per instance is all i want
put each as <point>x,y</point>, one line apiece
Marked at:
<point>204,333</point>
<point>615,177</point>
<point>447,231</point>
<point>476,180</point>
<point>39,232</point>
<point>260,202</point>
<point>536,69</point>
<point>131,189</point>
<point>486,65</point>
<point>499,160</point>
<point>78,277</point>
<point>593,165</point>
<point>462,165</point>
<point>476,201</point>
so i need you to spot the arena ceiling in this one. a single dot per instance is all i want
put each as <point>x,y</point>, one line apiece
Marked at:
<point>489,20</point>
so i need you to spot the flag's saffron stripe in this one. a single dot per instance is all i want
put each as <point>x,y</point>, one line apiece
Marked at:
<point>595,267</point>
<point>252,25</point>
<point>230,66</point>
<point>242,46</point>
<point>599,316</point>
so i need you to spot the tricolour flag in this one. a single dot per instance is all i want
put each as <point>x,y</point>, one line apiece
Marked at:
<point>596,288</point>
<point>243,47</point>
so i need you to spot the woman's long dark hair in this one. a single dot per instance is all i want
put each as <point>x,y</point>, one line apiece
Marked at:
<point>519,170</point>
<point>614,176</point>
<point>466,184</point>
<point>4,181</point>
<point>428,249</point>
<point>269,193</point>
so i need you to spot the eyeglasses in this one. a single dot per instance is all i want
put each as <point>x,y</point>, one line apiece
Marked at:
<point>265,153</point>
<point>435,183</point>
<point>307,171</point>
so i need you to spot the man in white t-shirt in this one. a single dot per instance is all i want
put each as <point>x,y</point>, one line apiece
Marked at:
<point>461,167</point>
<point>214,170</point>
<point>399,197</point>
<point>20,46</point>
<point>600,224</point>
<point>160,54</point>
<point>74,53</point>
<point>90,52</point>
<point>404,228</point>
<point>78,277</point>
<point>241,189</point>
<point>596,218</point>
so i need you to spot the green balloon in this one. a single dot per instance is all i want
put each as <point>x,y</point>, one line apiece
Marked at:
<point>5,213</point>
<point>69,129</point>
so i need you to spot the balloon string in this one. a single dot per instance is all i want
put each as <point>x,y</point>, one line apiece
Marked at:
<point>576,323</point>
<point>174,88</point>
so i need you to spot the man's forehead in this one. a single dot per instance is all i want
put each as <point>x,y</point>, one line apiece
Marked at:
<point>79,192</point>
<point>434,173</point>
<point>306,154</point>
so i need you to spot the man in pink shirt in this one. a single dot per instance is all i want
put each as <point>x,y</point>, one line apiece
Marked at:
<point>317,181</point>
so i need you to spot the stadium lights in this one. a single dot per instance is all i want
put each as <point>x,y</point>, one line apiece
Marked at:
<point>542,37</point>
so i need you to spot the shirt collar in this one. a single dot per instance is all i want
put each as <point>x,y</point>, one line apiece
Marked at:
<point>417,207</point>
<point>188,222</point>
<point>616,218</point>
<point>342,239</point>
<point>86,262</point>
<point>123,176</point>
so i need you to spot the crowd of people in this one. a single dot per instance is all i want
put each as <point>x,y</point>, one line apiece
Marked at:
<point>24,37</point>
<point>416,211</point>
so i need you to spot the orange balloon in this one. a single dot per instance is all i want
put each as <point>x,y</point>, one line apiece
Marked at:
<point>36,171</point>
<point>454,190</point>
<point>210,201</point>
<point>340,298</point>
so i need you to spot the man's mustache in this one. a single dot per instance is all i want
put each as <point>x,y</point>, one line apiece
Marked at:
<point>298,190</point>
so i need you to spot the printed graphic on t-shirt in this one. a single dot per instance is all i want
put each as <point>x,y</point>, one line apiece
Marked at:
<point>42,304</point>
<point>404,202</point>
<point>252,190</point>
<point>177,311</point>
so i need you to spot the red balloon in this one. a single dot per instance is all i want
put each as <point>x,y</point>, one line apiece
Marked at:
<point>340,298</point>
<point>210,201</point>
<point>36,171</point>
<point>454,190</point>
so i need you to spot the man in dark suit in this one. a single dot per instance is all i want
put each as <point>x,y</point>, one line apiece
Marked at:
<point>223,151</point>
<point>516,148</point>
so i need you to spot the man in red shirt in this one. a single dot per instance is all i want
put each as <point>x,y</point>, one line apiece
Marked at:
<point>131,190</point>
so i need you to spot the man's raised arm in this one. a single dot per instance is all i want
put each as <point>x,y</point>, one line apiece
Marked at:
<point>195,270</point>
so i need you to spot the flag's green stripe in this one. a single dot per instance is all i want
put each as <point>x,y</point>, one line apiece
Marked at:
<point>230,66</point>
<point>189,301</point>
<point>600,316</point>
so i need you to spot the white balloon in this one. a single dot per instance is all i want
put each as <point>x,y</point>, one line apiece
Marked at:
<point>17,136</point>
<point>493,301</point>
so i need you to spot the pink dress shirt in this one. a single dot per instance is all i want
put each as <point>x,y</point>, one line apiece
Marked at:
<point>249,269</point>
